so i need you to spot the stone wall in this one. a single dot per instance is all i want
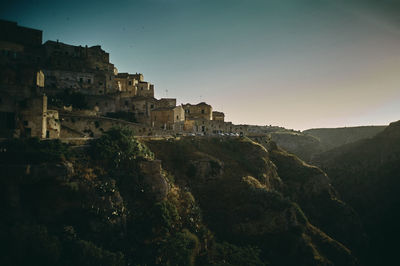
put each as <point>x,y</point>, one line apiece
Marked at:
<point>96,126</point>
<point>166,102</point>
<point>145,89</point>
<point>171,118</point>
<point>103,104</point>
<point>210,127</point>
<point>127,82</point>
<point>76,67</point>
<point>198,111</point>
<point>53,125</point>
<point>12,32</point>
<point>218,116</point>
<point>33,117</point>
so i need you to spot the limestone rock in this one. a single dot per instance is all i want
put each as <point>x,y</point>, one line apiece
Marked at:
<point>153,180</point>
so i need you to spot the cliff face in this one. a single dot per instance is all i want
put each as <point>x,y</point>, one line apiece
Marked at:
<point>367,174</point>
<point>266,198</point>
<point>203,201</point>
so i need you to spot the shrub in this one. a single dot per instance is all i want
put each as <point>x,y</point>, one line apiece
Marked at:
<point>118,147</point>
<point>181,249</point>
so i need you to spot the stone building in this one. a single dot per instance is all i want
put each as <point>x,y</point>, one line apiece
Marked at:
<point>78,69</point>
<point>32,117</point>
<point>126,82</point>
<point>218,116</point>
<point>23,107</point>
<point>197,111</point>
<point>53,129</point>
<point>166,102</point>
<point>20,59</point>
<point>168,118</point>
<point>145,89</point>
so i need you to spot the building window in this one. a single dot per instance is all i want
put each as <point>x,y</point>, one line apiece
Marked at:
<point>177,117</point>
<point>130,83</point>
<point>151,106</point>
<point>126,103</point>
<point>89,81</point>
<point>25,123</point>
<point>80,80</point>
<point>202,111</point>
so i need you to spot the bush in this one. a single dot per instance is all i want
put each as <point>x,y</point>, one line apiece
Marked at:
<point>86,253</point>
<point>228,254</point>
<point>181,249</point>
<point>118,147</point>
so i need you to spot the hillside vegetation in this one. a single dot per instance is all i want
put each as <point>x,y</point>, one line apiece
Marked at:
<point>193,201</point>
<point>367,175</point>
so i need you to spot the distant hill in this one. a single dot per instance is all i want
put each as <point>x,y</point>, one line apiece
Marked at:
<point>303,145</point>
<point>335,137</point>
<point>367,175</point>
<point>311,142</point>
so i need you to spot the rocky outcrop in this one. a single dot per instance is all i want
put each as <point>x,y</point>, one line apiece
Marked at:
<point>154,182</point>
<point>252,198</point>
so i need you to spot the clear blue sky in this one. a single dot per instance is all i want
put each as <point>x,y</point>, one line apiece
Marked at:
<point>293,63</point>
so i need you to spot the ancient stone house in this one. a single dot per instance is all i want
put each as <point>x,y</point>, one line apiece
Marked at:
<point>35,120</point>
<point>218,116</point>
<point>197,111</point>
<point>168,118</point>
<point>145,89</point>
<point>78,69</point>
<point>126,82</point>
<point>23,107</point>
<point>166,102</point>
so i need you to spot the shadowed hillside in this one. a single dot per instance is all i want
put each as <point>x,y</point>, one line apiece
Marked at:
<point>311,142</point>
<point>367,175</point>
<point>334,137</point>
<point>246,198</point>
<point>189,201</point>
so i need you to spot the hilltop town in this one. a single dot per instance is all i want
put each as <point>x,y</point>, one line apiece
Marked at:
<point>55,90</point>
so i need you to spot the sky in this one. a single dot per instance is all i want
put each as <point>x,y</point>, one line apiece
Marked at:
<point>294,63</point>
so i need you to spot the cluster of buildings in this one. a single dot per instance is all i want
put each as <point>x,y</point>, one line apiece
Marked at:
<point>38,81</point>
